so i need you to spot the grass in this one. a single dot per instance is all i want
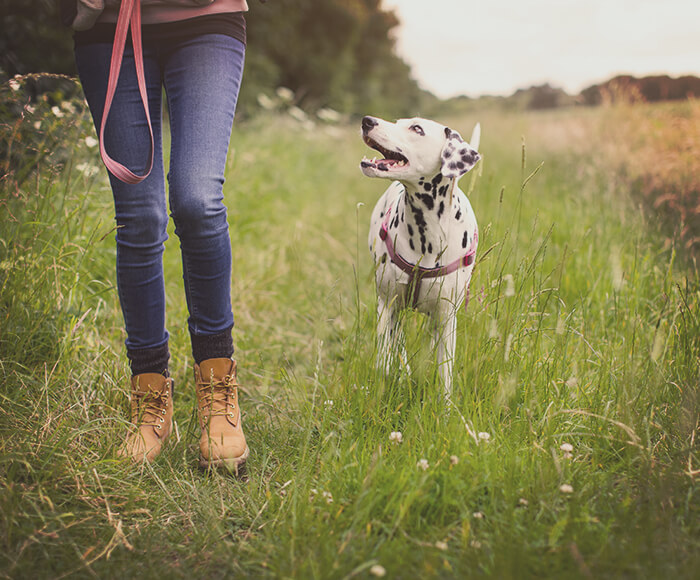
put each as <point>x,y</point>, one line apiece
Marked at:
<point>582,330</point>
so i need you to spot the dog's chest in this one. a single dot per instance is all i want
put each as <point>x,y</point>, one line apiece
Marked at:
<point>428,228</point>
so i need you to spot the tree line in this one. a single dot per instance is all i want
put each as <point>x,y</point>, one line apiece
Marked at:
<point>337,54</point>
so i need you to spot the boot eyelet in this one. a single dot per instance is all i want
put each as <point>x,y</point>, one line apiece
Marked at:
<point>158,427</point>
<point>162,420</point>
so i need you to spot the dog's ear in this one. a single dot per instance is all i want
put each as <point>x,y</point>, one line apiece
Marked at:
<point>458,157</point>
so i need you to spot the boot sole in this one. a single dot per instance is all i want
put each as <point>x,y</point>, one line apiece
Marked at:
<point>232,464</point>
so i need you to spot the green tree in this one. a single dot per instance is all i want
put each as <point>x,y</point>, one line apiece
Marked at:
<point>33,39</point>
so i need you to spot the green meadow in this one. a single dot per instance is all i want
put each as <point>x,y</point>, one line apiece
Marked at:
<point>571,448</point>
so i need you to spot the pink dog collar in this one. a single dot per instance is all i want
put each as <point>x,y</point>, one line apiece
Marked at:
<point>417,273</point>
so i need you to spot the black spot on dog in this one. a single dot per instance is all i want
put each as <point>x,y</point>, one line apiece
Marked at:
<point>427,186</point>
<point>441,209</point>
<point>410,230</point>
<point>419,218</point>
<point>443,190</point>
<point>430,248</point>
<point>437,179</point>
<point>453,165</point>
<point>426,199</point>
<point>383,258</point>
<point>458,214</point>
<point>410,243</point>
<point>465,239</point>
<point>460,165</point>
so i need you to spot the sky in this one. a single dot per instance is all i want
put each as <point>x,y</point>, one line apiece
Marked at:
<point>494,47</point>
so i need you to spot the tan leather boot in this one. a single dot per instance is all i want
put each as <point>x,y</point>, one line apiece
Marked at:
<point>222,443</point>
<point>151,415</point>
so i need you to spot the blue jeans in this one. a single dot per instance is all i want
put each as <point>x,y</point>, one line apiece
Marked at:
<point>201,77</point>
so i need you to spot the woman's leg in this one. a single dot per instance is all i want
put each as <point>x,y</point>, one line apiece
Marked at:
<point>202,77</point>
<point>140,209</point>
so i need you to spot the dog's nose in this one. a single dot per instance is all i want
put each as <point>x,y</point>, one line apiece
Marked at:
<point>368,123</point>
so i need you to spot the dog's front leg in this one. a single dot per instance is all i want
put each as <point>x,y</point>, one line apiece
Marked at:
<point>389,336</point>
<point>444,342</point>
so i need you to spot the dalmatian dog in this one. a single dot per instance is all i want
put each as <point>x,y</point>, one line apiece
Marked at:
<point>423,233</point>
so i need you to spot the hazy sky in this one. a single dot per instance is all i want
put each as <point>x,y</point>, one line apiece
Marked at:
<point>497,46</point>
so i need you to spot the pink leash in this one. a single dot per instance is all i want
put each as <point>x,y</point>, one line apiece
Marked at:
<point>417,273</point>
<point>129,13</point>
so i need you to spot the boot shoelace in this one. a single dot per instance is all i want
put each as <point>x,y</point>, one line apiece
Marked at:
<point>218,391</point>
<point>152,407</point>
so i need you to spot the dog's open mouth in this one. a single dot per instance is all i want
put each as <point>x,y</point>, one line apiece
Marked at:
<point>392,159</point>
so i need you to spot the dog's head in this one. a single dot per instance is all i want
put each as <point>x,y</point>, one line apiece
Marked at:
<point>415,149</point>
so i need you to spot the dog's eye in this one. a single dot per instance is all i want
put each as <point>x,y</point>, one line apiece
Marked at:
<point>418,129</point>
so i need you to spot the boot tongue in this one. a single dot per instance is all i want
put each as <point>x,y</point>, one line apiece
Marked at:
<point>151,382</point>
<point>217,368</point>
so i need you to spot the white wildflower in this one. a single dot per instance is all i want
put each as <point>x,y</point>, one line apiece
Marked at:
<point>454,460</point>
<point>493,330</point>
<point>58,113</point>
<point>328,115</point>
<point>566,488</point>
<point>478,515</point>
<point>327,496</point>
<point>328,403</point>
<point>377,570</point>
<point>523,502</point>
<point>91,142</point>
<point>266,102</point>
<point>87,169</point>
<point>567,448</point>
<point>396,437</point>
<point>29,109</point>
<point>510,285</point>
<point>561,326</point>
<point>68,107</point>
<point>484,436</point>
<point>476,544</point>
<point>37,125</point>
<point>287,95</point>
<point>297,114</point>
<point>14,84</point>
<point>441,546</point>
<point>423,464</point>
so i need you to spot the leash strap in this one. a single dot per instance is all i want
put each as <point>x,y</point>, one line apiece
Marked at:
<point>417,273</point>
<point>129,15</point>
